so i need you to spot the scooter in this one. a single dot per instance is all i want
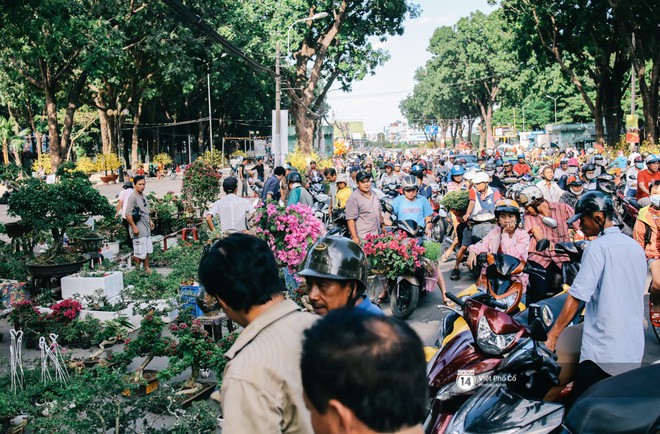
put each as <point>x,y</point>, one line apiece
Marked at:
<point>626,210</point>
<point>472,356</point>
<point>481,223</point>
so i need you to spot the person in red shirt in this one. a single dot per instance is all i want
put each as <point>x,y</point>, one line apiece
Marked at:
<point>645,178</point>
<point>522,167</point>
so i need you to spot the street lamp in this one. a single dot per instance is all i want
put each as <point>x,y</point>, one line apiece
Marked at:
<point>555,99</point>
<point>288,32</point>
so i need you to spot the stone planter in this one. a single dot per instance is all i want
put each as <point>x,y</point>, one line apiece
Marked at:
<point>76,286</point>
<point>109,178</point>
<point>55,270</point>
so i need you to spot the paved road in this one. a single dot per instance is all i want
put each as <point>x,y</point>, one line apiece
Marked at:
<point>426,318</point>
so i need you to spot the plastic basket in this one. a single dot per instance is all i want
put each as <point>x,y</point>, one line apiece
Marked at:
<point>188,302</point>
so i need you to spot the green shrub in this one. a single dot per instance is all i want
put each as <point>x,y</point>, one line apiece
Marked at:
<point>456,200</point>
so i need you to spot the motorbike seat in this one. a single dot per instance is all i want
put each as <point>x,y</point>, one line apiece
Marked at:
<point>625,403</point>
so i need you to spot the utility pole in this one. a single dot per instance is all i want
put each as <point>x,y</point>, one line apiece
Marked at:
<point>277,142</point>
<point>208,85</point>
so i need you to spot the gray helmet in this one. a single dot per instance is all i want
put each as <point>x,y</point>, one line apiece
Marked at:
<point>408,181</point>
<point>336,258</point>
<point>593,201</point>
<point>530,195</point>
<point>294,177</point>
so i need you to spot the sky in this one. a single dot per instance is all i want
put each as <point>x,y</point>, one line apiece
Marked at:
<point>375,100</point>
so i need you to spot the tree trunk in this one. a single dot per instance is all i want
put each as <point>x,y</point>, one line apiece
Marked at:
<point>649,94</point>
<point>461,129</point>
<point>53,127</point>
<point>37,136</point>
<point>487,123</point>
<point>482,134</point>
<point>5,151</point>
<point>105,131</point>
<point>74,97</point>
<point>201,128</point>
<point>454,131</point>
<point>134,137</point>
<point>470,127</point>
<point>598,114</point>
<point>304,130</point>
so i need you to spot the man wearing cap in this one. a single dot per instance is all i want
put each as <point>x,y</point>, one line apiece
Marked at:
<point>522,167</point>
<point>562,170</point>
<point>335,270</point>
<point>363,214</point>
<point>231,209</point>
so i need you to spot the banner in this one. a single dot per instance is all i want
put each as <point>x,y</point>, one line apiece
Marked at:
<point>632,129</point>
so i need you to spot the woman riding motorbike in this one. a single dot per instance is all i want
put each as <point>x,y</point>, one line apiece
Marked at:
<point>575,190</point>
<point>507,237</point>
<point>457,182</point>
<point>646,233</point>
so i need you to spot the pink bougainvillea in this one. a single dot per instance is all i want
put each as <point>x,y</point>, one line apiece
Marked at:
<point>289,231</point>
<point>65,311</point>
<point>393,254</point>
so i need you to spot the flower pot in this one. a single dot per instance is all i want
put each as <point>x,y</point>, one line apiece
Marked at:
<point>109,178</point>
<point>203,393</point>
<point>91,244</point>
<point>151,377</point>
<point>112,285</point>
<point>54,270</point>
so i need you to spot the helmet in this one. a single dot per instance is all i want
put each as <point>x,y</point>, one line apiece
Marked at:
<point>588,168</point>
<point>408,182</point>
<point>590,151</point>
<point>417,170</point>
<point>521,156</point>
<point>499,162</point>
<point>574,181</point>
<point>481,177</point>
<point>507,206</point>
<point>652,158</point>
<point>530,195</point>
<point>593,201</point>
<point>573,162</point>
<point>336,258</point>
<point>294,177</point>
<point>490,167</point>
<point>457,170</point>
<point>639,159</point>
<point>127,184</point>
<point>563,161</point>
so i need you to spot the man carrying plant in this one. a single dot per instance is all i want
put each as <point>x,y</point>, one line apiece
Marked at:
<point>138,218</point>
<point>363,214</point>
<point>231,209</point>
<point>261,385</point>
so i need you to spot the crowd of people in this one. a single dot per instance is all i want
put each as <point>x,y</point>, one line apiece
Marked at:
<point>357,370</point>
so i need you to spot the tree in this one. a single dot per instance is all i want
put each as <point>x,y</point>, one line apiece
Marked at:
<point>584,39</point>
<point>54,52</point>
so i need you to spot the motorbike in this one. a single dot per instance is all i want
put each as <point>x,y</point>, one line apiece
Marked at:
<point>442,224</point>
<point>473,356</point>
<point>481,224</point>
<point>339,226</point>
<point>321,206</point>
<point>524,396</point>
<point>625,209</point>
<point>407,290</point>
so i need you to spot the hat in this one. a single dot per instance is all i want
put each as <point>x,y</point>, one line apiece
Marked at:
<point>230,183</point>
<point>342,178</point>
<point>362,175</point>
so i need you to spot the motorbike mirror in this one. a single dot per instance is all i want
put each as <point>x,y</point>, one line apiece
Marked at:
<point>537,330</point>
<point>542,244</point>
<point>540,319</point>
<point>549,222</point>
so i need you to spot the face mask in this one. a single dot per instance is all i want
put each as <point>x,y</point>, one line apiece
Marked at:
<point>490,172</point>
<point>590,177</point>
<point>577,192</point>
<point>640,166</point>
<point>572,170</point>
<point>655,200</point>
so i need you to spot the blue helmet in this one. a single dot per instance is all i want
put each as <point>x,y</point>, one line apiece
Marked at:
<point>417,170</point>
<point>521,156</point>
<point>457,170</point>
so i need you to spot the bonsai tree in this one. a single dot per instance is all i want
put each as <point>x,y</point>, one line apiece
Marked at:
<point>55,207</point>
<point>148,343</point>
<point>162,158</point>
<point>107,163</point>
<point>201,185</point>
<point>194,349</point>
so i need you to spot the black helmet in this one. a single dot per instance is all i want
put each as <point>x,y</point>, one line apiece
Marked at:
<point>590,202</point>
<point>127,184</point>
<point>588,167</point>
<point>336,258</point>
<point>417,170</point>
<point>294,177</point>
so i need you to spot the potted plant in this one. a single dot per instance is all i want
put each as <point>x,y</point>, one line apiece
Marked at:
<point>148,343</point>
<point>201,186</point>
<point>108,163</point>
<point>55,208</point>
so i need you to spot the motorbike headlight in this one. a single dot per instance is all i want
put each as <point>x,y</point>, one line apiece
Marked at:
<point>450,390</point>
<point>489,341</point>
<point>510,300</point>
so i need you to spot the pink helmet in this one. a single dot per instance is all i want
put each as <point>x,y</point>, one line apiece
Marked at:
<point>573,162</point>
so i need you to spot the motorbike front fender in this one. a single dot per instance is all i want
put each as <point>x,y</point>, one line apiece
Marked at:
<point>411,279</point>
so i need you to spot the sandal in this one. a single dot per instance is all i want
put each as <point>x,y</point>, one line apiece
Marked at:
<point>455,274</point>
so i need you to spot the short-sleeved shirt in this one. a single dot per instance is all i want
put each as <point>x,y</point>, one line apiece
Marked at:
<point>272,187</point>
<point>647,177</point>
<point>123,197</point>
<point>342,197</point>
<point>417,209</point>
<point>560,212</point>
<point>261,386</point>
<point>611,281</point>
<point>300,195</point>
<point>138,200</point>
<point>369,307</point>
<point>231,210</point>
<point>365,210</point>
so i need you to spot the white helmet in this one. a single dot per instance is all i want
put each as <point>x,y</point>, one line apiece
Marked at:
<point>480,177</point>
<point>408,182</point>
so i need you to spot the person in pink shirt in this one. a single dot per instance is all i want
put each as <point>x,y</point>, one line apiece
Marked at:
<point>507,237</point>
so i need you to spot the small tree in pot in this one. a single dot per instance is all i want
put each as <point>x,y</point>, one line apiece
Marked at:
<point>201,186</point>
<point>148,343</point>
<point>55,207</point>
